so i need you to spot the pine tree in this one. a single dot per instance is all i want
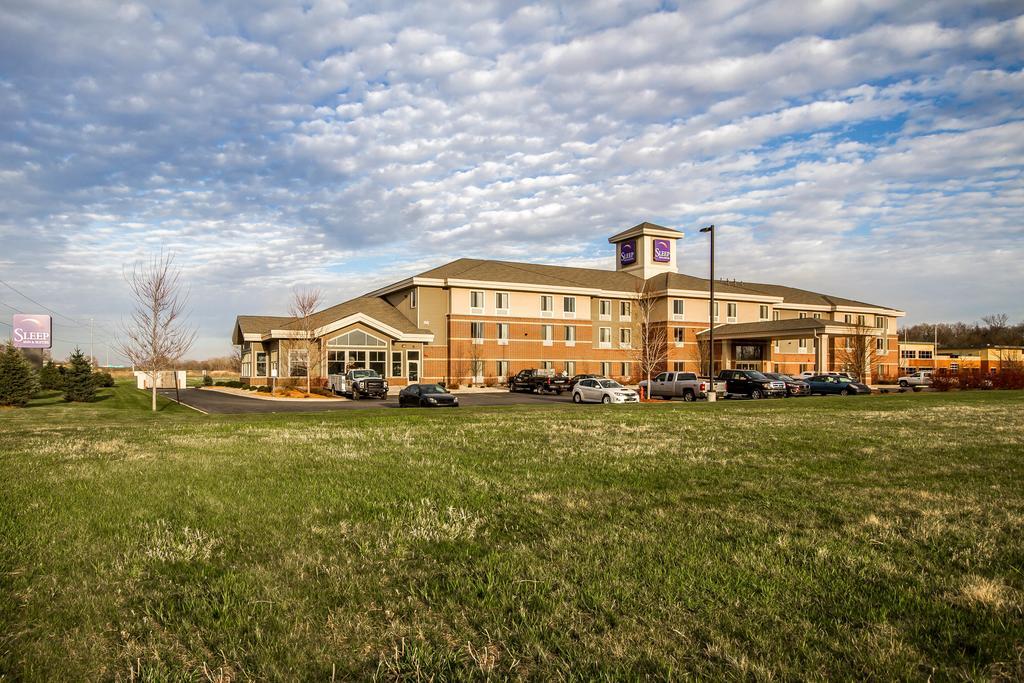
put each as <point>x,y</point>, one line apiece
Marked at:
<point>17,380</point>
<point>78,383</point>
<point>50,377</point>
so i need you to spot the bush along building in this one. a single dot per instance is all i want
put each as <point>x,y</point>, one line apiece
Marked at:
<point>479,321</point>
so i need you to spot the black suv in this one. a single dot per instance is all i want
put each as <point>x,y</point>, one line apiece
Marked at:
<point>750,383</point>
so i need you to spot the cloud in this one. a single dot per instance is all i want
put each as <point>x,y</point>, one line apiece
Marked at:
<point>276,144</point>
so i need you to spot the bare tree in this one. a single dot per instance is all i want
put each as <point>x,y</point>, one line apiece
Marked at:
<point>235,359</point>
<point>650,337</point>
<point>305,303</point>
<point>157,334</point>
<point>859,356</point>
<point>700,353</point>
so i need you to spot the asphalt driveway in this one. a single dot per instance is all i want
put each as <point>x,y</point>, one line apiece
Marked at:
<point>224,403</point>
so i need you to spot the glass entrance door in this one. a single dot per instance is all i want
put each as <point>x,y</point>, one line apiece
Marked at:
<point>412,359</point>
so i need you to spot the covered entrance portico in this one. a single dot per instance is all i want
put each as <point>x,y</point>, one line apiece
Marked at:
<point>757,346</point>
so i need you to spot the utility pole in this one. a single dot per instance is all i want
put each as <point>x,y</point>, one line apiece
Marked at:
<point>92,346</point>
<point>711,309</point>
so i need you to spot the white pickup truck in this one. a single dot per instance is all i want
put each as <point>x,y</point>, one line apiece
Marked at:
<point>917,379</point>
<point>359,383</point>
<point>684,385</point>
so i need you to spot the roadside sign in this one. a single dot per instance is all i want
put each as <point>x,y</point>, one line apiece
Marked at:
<point>32,331</point>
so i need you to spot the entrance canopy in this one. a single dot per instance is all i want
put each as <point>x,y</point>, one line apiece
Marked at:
<point>792,328</point>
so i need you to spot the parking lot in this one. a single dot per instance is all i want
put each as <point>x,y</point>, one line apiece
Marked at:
<point>223,403</point>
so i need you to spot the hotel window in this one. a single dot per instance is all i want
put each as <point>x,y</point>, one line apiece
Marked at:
<point>924,354</point>
<point>679,334</point>
<point>569,306</point>
<point>880,322</point>
<point>502,334</point>
<point>501,303</point>
<point>412,297</point>
<point>379,361</point>
<point>778,346</point>
<point>626,370</point>
<point>678,309</point>
<point>801,346</point>
<point>476,331</point>
<point>245,369</point>
<point>546,332</point>
<point>298,362</point>
<point>606,369</point>
<point>816,316</point>
<point>547,305</point>
<point>546,365</point>
<point>730,312</point>
<point>880,344</point>
<point>802,315</point>
<point>604,309</point>
<point>605,337</point>
<point>570,333</point>
<point>847,318</point>
<point>716,311</point>
<point>396,363</point>
<point>503,369</point>
<point>570,367</point>
<point>860,320</point>
<point>261,364</point>
<point>476,301</point>
<point>762,312</point>
<point>908,354</point>
<point>625,310</point>
<point>954,367</point>
<point>625,338</point>
<point>679,365</point>
<point>776,315</point>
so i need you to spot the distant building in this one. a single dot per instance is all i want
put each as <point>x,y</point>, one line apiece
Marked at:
<point>476,320</point>
<point>916,355</point>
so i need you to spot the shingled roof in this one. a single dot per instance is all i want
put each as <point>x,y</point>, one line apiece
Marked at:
<point>373,306</point>
<point>533,274</point>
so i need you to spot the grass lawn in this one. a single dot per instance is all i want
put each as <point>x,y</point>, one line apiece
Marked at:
<point>859,538</point>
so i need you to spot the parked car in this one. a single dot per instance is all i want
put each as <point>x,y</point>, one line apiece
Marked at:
<point>750,383</point>
<point>427,396</point>
<point>922,378</point>
<point>538,381</point>
<point>794,387</point>
<point>807,374</point>
<point>831,384</point>
<point>684,385</point>
<point>602,390</point>
<point>576,378</point>
<point>358,383</point>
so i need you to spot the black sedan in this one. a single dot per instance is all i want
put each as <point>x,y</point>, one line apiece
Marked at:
<point>426,396</point>
<point>794,387</point>
<point>830,384</point>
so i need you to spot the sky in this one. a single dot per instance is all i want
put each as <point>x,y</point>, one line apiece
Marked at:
<point>872,150</point>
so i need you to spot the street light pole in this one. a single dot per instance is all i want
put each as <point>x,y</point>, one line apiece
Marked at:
<point>711,308</point>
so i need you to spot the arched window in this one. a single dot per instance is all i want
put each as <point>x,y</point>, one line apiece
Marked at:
<point>356,338</point>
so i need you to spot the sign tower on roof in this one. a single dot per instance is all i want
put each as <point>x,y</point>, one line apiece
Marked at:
<point>646,250</point>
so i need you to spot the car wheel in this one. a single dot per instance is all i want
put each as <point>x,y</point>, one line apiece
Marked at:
<point>606,399</point>
<point>577,398</point>
<point>904,383</point>
<point>844,392</point>
<point>756,394</point>
<point>355,394</point>
<point>688,396</point>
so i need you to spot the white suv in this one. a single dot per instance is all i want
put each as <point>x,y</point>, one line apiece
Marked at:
<point>918,379</point>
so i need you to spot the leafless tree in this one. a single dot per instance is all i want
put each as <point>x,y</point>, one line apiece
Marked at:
<point>859,356</point>
<point>700,353</point>
<point>476,364</point>
<point>235,359</point>
<point>157,333</point>
<point>305,303</point>
<point>650,337</point>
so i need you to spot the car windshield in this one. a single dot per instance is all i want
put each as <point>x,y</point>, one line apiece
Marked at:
<point>844,380</point>
<point>360,374</point>
<point>756,376</point>
<point>432,389</point>
<point>609,384</point>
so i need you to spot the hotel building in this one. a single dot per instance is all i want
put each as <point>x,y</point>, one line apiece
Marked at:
<point>480,321</point>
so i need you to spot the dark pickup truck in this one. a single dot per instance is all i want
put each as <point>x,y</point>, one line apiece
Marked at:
<point>537,381</point>
<point>750,383</point>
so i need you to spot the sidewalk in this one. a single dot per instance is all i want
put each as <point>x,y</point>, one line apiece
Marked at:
<point>267,397</point>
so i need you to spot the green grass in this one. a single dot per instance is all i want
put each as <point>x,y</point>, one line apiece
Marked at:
<point>874,537</point>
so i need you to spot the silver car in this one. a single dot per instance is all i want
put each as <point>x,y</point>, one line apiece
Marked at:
<point>602,390</point>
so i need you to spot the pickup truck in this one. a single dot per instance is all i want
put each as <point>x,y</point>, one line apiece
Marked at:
<point>750,383</point>
<point>358,383</point>
<point>685,385</point>
<point>918,379</point>
<point>537,381</point>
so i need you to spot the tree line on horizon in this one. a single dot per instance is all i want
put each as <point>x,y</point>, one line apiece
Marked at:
<point>992,330</point>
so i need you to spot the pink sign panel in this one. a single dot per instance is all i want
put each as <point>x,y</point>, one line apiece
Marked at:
<point>32,331</point>
<point>662,251</point>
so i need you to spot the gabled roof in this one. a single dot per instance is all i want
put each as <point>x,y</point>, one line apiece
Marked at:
<point>534,274</point>
<point>255,325</point>
<point>372,306</point>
